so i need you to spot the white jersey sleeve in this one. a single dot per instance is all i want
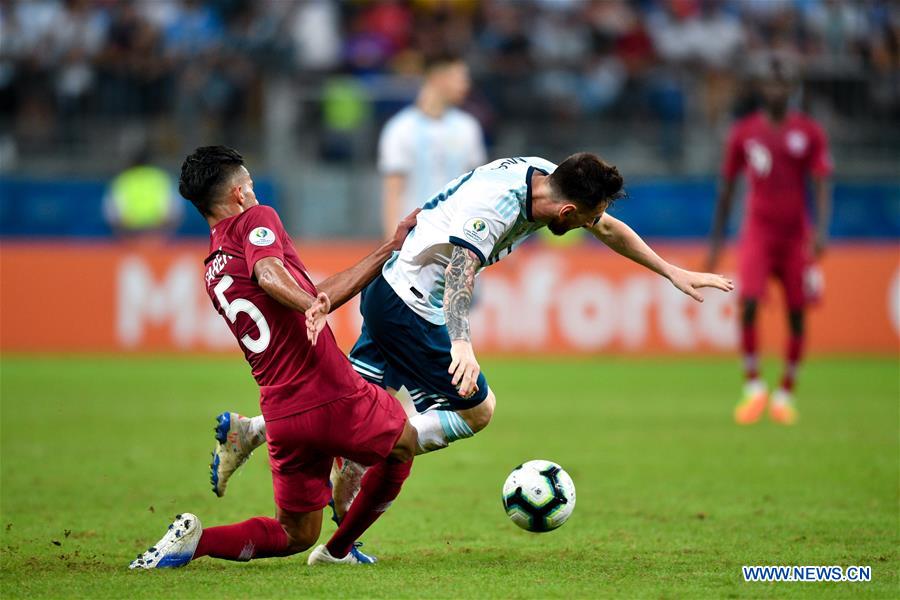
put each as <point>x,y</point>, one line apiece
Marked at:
<point>482,221</point>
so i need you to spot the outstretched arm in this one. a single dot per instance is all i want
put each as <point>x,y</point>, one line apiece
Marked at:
<point>623,240</point>
<point>459,284</point>
<point>342,286</point>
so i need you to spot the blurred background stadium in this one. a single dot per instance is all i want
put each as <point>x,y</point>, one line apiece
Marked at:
<point>303,88</point>
<point>669,487</point>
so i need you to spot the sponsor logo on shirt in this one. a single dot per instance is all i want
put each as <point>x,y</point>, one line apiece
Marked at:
<point>796,142</point>
<point>262,236</point>
<point>475,230</point>
<point>759,157</point>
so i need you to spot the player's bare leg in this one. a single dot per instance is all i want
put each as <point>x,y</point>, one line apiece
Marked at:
<point>755,395</point>
<point>782,409</point>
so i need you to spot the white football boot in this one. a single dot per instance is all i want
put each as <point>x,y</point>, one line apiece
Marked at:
<point>234,445</point>
<point>176,548</point>
<point>346,480</point>
<point>321,556</point>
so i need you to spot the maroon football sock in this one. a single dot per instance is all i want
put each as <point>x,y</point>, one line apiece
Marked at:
<point>259,537</point>
<point>380,485</point>
<point>748,347</point>
<point>791,361</point>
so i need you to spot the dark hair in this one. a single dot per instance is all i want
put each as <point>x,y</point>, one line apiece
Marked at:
<point>587,180</point>
<point>438,60</point>
<point>204,172</point>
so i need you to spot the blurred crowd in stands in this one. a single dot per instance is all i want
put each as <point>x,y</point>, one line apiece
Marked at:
<point>184,62</point>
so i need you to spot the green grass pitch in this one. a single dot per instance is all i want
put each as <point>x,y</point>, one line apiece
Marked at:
<point>98,454</point>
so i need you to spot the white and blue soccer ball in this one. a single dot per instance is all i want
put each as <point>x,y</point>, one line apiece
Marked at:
<point>539,496</point>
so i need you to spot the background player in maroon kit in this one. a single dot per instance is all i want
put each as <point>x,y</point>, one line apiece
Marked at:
<point>778,149</point>
<point>316,407</point>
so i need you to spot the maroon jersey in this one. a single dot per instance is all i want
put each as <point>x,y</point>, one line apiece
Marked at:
<point>778,158</point>
<point>293,375</point>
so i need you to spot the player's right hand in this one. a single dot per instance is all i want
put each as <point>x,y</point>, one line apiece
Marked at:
<point>403,229</point>
<point>464,368</point>
<point>316,317</point>
<point>690,281</point>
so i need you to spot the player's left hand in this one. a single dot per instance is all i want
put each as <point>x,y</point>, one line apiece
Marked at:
<point>464,368</point>
<point>690,281</point>
<point>403,229</point>
<point>316,317</point>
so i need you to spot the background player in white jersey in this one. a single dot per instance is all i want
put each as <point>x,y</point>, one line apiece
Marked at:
<point>415,340</point>
<point>428,143</point>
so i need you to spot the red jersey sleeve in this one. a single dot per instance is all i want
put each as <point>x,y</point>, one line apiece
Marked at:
<point>734,154</point>
<point>262,234</point>
<point>820,164</point>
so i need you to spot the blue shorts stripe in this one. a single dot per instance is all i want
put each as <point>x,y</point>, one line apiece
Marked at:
<point>366,365</point>
<point>366,373</point>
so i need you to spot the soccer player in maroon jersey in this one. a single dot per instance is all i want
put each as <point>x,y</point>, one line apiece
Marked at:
<point>316,407</point>
<point>778,149</point>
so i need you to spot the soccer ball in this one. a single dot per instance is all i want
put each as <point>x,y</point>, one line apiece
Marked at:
<point>539,496</point>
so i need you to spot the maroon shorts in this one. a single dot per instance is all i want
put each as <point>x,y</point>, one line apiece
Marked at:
<point>363,427</point>
<point>786,258</point>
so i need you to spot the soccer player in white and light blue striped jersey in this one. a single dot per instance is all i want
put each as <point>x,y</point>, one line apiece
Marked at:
<point>429,142</point>
<point>415,339</point>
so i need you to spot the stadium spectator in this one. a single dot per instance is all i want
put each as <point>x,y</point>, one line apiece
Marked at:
<point>72,70</point>
<point>141,200</point>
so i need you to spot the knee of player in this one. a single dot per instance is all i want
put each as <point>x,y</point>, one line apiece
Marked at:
<point>405,448</point>
<point>481,417</point>
<point>299,538</point>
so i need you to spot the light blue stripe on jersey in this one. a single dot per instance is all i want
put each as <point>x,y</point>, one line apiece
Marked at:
<point>508,206</point>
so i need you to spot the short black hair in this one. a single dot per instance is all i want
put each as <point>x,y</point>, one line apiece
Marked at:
<point>587,180</point>
<point>438,60</point>
<point>203,173</point>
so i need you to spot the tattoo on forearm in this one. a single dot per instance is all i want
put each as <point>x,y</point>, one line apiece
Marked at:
<point>460,281</point>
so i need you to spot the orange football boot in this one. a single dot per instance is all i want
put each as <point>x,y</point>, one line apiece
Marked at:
<point>782,410</point>
<point>751,408</point>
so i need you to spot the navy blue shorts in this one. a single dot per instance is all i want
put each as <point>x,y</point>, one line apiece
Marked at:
<point>397,347</point>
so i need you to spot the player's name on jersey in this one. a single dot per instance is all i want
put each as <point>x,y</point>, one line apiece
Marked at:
<point>217,264</point>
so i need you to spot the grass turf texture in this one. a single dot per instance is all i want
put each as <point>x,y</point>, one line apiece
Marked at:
<point>98,454</point>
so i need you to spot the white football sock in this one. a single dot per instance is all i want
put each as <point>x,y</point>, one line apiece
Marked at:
<point>437,428</point>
